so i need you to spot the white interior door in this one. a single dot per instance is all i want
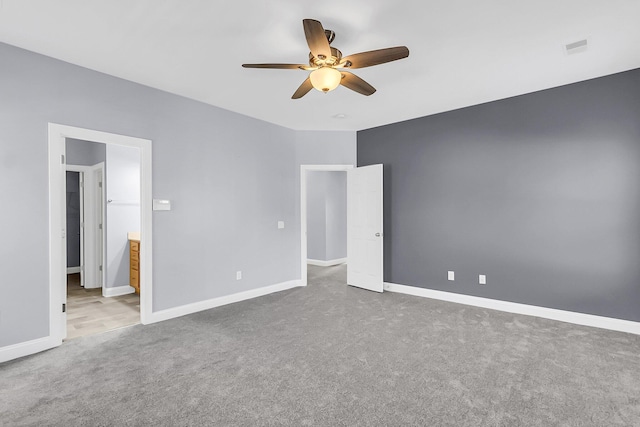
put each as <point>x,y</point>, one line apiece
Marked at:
<point>92,249</point>
<point>364,228</point>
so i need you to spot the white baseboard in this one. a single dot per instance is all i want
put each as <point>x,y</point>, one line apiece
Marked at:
<point>183,310</point>
<point>26,348</point>
<point>117,291</point>
<point>73,270</point>
<point>517,308</point>
<point>328,263</point>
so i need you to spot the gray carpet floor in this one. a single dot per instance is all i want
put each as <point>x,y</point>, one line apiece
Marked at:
<point>332,355</point>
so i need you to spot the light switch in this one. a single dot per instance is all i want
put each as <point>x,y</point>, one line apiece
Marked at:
<point>161,205</point>
<point>482,279</point>
<point>451,275</point>
<point>280,224</point>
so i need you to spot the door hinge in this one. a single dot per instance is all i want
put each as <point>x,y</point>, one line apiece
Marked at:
<point>100,268</point>
<point>100,184</point>
<point>62,158</point>
<point>64,308</point>
<point>100,226</point>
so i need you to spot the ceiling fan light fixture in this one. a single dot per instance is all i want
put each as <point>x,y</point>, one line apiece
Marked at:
<point>325,79</point>
<point>325,59</point>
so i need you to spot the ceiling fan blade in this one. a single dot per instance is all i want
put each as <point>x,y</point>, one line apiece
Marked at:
<point>304,88</point>
<point>355,83</point>
<point>275,66</point>
<point>316,38</point>
<point>375,57</point>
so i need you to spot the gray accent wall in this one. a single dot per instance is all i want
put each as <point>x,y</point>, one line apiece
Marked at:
<point>229,177</point>
<point>541,193</point>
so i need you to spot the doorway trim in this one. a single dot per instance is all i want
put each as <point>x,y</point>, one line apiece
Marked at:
<point>303,210</point>
<point>57,223</point>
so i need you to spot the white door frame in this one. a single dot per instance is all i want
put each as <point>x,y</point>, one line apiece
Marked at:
<point>57,221</point>
<point>303,210</point>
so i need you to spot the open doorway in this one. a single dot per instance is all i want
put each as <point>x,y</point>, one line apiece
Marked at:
<point>323,217</point>
<point>103,226</point>
<point>105,270</point>
<point>365,242</point>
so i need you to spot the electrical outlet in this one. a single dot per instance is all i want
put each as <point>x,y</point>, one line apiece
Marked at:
<point>238,275</point>
<point>482,279</point>
<point>451,275</point>
<point>280,224</point>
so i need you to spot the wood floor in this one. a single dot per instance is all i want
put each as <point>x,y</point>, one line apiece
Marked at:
<point>88,312</point>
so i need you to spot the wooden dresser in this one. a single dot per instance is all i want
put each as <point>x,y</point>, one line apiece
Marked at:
<point>134,263</point>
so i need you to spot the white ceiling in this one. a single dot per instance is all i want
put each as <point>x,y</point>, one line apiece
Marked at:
<point>463,52</point>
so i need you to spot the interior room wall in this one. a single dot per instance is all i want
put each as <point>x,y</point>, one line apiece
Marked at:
<point>540,192</point>
<point>316,216</point>
<point>230,179</point>
<point>336,208</point>
<point>326,215</point>
<point>85,153</point>
<point>122,210</point>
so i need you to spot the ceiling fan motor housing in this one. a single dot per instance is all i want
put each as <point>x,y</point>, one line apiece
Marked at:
<point>319,61</point>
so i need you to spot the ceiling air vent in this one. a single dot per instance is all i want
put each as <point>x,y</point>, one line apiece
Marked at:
<point>576,47</point>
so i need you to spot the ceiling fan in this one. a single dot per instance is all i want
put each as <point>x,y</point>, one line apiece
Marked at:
<point>327,65</point>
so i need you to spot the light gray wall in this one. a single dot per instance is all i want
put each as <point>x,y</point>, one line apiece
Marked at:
<point>84,153</point>
<point>73,219</point>
<point>326,215</point>
<point>336,212</point>
<point>230,179</point>
<point>539,192</point>
<point>316,216</point>
<point>123,210</point>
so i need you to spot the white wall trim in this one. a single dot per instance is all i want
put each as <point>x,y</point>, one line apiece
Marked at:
<point>303,210</point>
<point>26,348</point>
<point>73,270</point>
<point>117,291</point>
<point>517,308</point>
<point>183,310</point>
<point>328,263</point>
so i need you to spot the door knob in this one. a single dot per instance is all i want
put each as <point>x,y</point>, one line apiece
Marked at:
<point>377,234</point>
